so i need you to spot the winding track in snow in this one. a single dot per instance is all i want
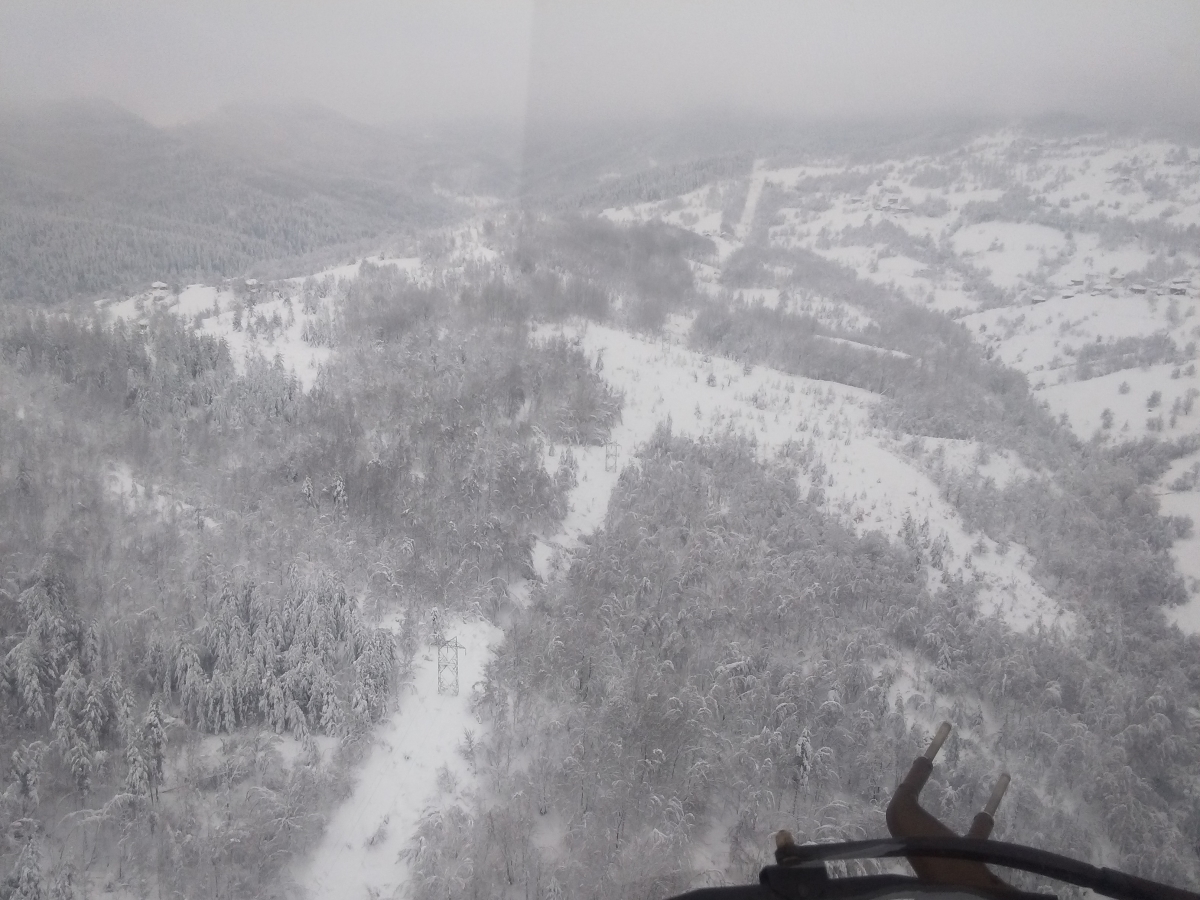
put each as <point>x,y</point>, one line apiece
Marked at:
<point>359,857</point>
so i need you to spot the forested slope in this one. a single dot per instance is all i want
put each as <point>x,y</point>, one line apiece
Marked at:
<point>216,576</point>
<point>272,597</point>
<point>725,660</point>
<point>94,199</point>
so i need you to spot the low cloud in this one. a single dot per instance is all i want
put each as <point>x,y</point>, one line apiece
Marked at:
<point>384,61</point>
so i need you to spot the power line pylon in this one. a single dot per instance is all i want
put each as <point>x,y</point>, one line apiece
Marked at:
<point>447,653</point>
<point>612,456</point>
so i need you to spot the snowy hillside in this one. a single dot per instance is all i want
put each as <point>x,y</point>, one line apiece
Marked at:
<point>1075,261</point>
<point>823,423</point>
<point>1035,247</point>
<point>287,322</point>
<point>827,424</point>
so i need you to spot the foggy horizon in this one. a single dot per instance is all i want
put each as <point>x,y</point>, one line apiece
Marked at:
<point>384,64</point>
<point>554,449</point>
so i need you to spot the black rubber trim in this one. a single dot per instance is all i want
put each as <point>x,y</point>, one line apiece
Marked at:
<point>1108,882</point>
<point>871,887</point>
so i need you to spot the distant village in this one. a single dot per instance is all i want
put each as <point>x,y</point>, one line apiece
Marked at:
<point>1115,285</point>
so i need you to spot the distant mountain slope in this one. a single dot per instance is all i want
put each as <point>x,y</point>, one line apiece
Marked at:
<point>588,166</point>
<point>94,199</point>
<point>310,140</point>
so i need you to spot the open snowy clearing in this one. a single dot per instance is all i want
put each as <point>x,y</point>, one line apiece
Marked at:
<point>412,265</point>
<point>272,321</point>
<point>1070,288</point>
<point>359,855</point>
<point>758,178</point>
<point>1127,394</point>
<point>1010,252</point>
<point>865,479</point>
<point>142,499</point>
<point>969,457</point>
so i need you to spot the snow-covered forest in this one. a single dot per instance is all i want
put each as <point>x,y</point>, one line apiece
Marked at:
<point>731,472</point>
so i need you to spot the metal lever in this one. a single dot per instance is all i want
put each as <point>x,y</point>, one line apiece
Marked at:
<point>907,819</point>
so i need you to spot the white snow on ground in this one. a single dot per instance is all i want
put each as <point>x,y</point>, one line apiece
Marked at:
<point>1086,278</point>
<point>867,482</point>
<point>870,348</point>
<point>902,271</point>
<point>768,297</point>
<point>832,313</point>
<point>272,321</point>
<point>967,457</point>
<point>138,497</point>
<point>284,341</point>
<point>1046,336</point>
<point>698,211</point>
<point>758,178</point>
<point>202,300</point>
<point>398,785</point>
<point>353,269</point>
<point>866,477</point>
<point>945,294</point>
<point>1010,252</point>
<point>358,857</point>
<point>1083,402</point>
<point>208,754</point>
<point>1161,400</point>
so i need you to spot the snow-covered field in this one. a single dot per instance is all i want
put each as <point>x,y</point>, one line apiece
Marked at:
<point>274,321</point>
<point>1084,276</point>
<point>414,762</point>
<point>142,499</point>
<point>865,477</point>
<point>1010,252</point>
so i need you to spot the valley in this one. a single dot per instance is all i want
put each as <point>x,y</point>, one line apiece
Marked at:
<point>731,496</point>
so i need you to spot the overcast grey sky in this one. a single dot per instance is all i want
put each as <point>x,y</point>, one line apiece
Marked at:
<point>384,60</point>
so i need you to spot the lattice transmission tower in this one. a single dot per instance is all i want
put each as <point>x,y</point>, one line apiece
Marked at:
<point>447,653</point>
<point>612,456</point>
